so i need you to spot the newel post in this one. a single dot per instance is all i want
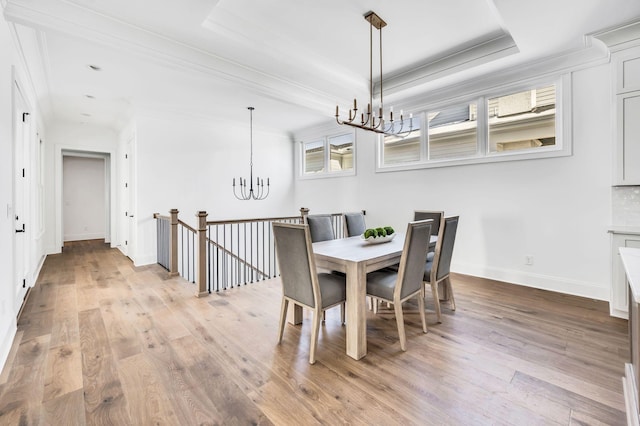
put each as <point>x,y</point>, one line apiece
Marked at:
<point>202,254</point>
<point>304,212</point>
<point>173,243</point>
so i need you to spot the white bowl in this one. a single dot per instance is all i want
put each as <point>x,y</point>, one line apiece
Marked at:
<point>378,240</point>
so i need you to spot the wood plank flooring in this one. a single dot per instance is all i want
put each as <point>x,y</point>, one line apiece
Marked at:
<point>103,342</point>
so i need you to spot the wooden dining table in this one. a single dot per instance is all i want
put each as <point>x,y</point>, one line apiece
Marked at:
<point>356,257</point>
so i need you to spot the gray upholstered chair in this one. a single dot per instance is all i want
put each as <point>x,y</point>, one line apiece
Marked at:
<point>320,227</point>
<point>438,268</point>
<point>301,284</point>
<point>397,286</point>
<point>354,224</point>
<point>438,217</point>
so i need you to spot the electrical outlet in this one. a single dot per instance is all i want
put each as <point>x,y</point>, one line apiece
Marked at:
<point>528,260</point>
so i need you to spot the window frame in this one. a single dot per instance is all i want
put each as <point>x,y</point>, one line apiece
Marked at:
<point>327,172</point>
<point>563,128</point>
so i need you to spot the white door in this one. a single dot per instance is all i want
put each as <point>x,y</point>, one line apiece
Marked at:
<point>21,127</point>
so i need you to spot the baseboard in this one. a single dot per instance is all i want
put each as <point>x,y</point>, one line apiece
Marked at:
<point>52,250</point>
<point>7,341</point>
<point>83,237</point>
<point>539,281</point>
<point>24,303</point>
<point>36,272</point>
<point>148,259</point>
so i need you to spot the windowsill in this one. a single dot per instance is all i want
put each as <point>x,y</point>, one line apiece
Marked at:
<point>493,158</point>
<point>327,175</point>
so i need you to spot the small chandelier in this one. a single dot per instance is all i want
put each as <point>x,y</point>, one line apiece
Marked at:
<point>247,192</point>
<point>368,119</point>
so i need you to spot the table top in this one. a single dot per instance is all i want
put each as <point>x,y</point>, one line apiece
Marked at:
<point>355,249</point>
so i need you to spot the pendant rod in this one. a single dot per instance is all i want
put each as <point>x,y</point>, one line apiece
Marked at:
<point>246,192</point>
<point>370,119</point>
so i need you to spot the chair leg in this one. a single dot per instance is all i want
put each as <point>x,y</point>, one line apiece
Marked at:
<point>317,314</point>
<point>343,309</point>
<point>453,299</point>
<point>436,301</point>
<point>375,305</point>
<point>283,317</point>
<point>400,321</point>
<point>423,315</point>
<point>324,316</point>
<point>443,291</point>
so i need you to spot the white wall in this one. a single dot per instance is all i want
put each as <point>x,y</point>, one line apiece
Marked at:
<point>10,71</point>
<point>189,164</point>
<point>7,314</point>
<point>83,198</point>
<point>556,210</point>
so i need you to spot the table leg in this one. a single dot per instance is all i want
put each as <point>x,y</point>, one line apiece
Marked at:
<point>356,322</point>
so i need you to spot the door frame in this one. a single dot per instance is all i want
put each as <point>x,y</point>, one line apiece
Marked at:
<point>109,156</point>
<point>21,259</point>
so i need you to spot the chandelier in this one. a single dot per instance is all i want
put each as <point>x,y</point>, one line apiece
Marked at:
<point>368,119</point>
<point>246,192</point>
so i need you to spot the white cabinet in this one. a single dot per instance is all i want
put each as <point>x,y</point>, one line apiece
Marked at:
<point>627,63</point>
<point>627,155</point>
<point>620,237</point>
<point>627,111</point>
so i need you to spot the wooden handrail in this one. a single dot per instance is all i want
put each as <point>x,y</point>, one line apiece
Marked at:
<point>187,226</point>
<point>267,219</point>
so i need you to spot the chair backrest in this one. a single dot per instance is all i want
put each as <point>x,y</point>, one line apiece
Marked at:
<point>354,224</point>
<point>444,252</point>
<point>320,227</point>
<point>414,256</point>
<point>435,215</point>
<point>295,259</point>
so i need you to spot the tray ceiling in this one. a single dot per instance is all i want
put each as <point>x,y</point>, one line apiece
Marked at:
<point>292,59</point>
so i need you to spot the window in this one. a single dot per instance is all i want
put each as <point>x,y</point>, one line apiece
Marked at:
<point>520,122</point>
<point>314,157</point>
<point>340,153</point>
<point>405,147</point>
<point>330,155</point>
<point>453,132</point>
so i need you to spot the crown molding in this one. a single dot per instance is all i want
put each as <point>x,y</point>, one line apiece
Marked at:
<point>539,70</point>
<point>458,59</point>
<point>80,22</point>
<point>619,37</point>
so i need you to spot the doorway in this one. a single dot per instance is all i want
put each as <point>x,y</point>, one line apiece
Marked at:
<point>90,166</point>
<point>84,193</point>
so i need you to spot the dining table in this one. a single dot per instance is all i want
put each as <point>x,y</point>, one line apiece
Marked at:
<point>356,257</point>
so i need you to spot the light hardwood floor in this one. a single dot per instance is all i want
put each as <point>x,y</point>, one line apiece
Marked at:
<point>102,342</point>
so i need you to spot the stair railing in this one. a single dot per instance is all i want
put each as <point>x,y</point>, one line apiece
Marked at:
<point>222,254</point>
